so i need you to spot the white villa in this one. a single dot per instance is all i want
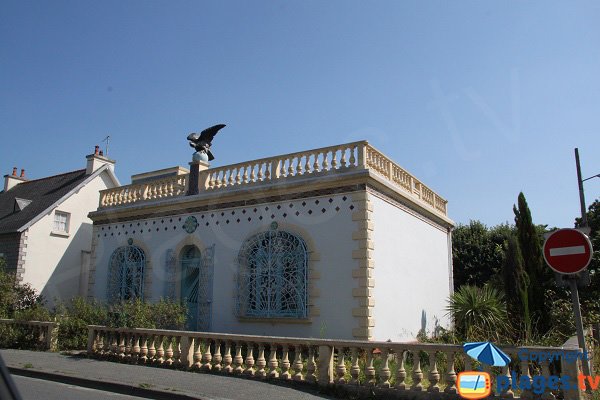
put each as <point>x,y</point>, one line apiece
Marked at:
<point>336,242</point>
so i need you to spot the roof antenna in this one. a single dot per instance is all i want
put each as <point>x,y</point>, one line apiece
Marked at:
<point>107,140</point>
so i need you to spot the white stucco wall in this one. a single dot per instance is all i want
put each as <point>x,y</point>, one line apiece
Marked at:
<point>411,273</point>
<point>328,235</point>
<point>53,262</point>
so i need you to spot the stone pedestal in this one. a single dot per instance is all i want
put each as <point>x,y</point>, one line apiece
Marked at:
<point>198,164</point>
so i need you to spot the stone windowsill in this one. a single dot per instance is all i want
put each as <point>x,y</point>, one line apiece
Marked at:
<point>275,320</point>
<point>59,234</point>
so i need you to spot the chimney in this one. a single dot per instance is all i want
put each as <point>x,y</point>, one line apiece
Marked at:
<point>10,181</point>
<point>96,160</point>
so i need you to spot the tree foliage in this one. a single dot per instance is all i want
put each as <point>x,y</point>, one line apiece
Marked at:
<point>516,284</point>
<point>477,252</point>
<point>540,276</point>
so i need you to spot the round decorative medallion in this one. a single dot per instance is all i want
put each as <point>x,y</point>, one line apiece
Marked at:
<point>190,225</point>
<point>130,241</point>
<point>274,225</point>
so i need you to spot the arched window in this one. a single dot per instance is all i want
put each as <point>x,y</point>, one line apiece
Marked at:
<point>126,274</point>
<point>272,280</point>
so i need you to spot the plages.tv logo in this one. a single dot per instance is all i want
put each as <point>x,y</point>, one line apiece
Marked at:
<point>474,385</point>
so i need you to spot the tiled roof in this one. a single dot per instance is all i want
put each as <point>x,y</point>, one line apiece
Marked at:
<point>42,192</point>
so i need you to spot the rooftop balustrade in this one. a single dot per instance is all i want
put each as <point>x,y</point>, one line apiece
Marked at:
<point>315,163</point>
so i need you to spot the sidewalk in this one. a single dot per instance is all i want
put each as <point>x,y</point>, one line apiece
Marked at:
<point>150,382</point>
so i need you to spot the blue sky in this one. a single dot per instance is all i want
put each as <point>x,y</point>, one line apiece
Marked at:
<point>480,100</point>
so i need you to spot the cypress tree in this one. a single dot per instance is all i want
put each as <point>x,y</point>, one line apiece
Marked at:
<point>539,275</point>
<point>516,284</point>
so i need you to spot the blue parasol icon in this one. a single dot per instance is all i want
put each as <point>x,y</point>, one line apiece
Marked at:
<point>487,353</point>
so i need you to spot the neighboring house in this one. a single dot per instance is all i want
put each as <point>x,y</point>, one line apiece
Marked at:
<point>45,233</point>
<point>337,242</point>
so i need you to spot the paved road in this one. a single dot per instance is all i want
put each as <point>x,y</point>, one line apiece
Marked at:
<point>35,389</point>
<point>140,380</point>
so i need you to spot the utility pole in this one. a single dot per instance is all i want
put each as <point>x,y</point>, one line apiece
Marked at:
<point>581,194</point>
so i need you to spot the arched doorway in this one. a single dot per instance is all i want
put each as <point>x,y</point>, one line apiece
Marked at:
<point>196,286</point>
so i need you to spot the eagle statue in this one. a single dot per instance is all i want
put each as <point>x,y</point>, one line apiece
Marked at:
<point>202,142</point>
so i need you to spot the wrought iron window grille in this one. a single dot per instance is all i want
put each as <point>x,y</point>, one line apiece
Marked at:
<point>126,274</point>
<point>272,276</point>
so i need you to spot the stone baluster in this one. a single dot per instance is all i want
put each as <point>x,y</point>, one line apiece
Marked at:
<point>121,345</point>
<point>261,362</point>
<point>282,169</point>
<point>417,374</point>
<point>160,351</point>
<point>451,374</point>
<point>340,369</point>
<point>249,359</point>
<point>273,363</point>
<point>343,160</point>
<point>169,352</point>
<point>352,156</point>
<point>325,161</point>
<point>370,369</point>
<point>267,171</point>
<point>114,345</point>
<point>238,175</point>
<point>307,164</point>
<point>334,161</point>
<point>316,163</point>
<point>144,350</point>
<point>227,359</point>
<point>206,356</point>
<point>547,395</point>
<point>238,360</point>
<point>285,363</point>
<point>245,177</point>
<point>197,354</point>
<point>98,345</point>
<point>508,392</point>
<point>525,377</point>
<point>311,366</point>
<point>136,349</point>
<point>298,364</point>
<point>217,358</point>
<point>299,167</point>
<point>290,171</point>
<point>261,174</point>
<point>128,346</point>
<point>401,372</point>
<point>152,348</point>
<point>177,351</point>
<point>434,375</point>
<point>355,368</point>
<point>384,371</point>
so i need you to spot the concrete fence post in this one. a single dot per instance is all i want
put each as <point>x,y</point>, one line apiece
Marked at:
<point>52,336</point>
<point>187,351</point>
<point>325,365</point>
<point>90,340</point>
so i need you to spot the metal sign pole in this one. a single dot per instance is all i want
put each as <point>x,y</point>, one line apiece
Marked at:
<point>579,324</point>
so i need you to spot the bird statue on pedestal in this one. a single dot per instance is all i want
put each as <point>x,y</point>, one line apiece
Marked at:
<point>202,142</point>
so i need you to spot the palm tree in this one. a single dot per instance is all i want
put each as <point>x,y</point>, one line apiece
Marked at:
<point>479,314</point>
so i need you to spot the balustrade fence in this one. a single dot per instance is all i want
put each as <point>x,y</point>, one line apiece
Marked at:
<point>28,334</point>
<point>399,370</point>
<point>311,163</point>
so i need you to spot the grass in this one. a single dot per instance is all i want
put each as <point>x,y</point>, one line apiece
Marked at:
<point>28,365</point>
<point>144,385</point>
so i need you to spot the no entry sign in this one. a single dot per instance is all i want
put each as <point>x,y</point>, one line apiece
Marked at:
<point>568,251</point>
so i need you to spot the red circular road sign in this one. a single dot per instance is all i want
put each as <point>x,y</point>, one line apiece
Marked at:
<point>568,251</point>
